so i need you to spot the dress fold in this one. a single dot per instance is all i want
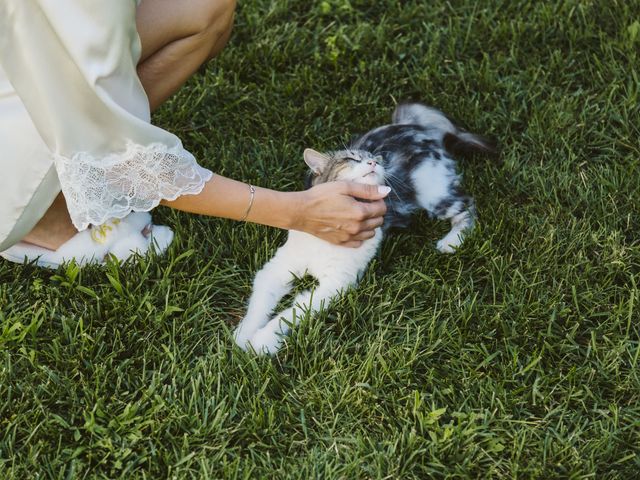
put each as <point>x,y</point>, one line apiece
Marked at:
<point>70,98</point>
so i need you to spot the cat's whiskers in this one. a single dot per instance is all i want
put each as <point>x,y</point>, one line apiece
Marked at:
<point>421,176</point>
<point>396,184</point>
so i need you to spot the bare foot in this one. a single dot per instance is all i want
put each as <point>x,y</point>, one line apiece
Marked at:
<point>55,228</point>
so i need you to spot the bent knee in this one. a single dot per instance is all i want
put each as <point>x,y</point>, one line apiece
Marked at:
<point>212,23</point>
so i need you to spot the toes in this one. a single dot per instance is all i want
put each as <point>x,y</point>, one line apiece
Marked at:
<point>265,342</point>
<point>161,237</point>
<point>129,245</point>
<point>241,336</point>
<point>146,231</point>
<point>445,247</point>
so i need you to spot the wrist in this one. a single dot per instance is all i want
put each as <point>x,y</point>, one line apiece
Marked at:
<point>278,209</point>
<point>295,203</point>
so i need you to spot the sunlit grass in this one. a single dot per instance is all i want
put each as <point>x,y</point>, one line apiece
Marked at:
<point>515,358</point>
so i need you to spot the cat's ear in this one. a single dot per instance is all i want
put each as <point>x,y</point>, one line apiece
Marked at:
<point>316,161</point>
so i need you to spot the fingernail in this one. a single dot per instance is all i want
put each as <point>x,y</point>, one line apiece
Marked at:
<point>383,189</point>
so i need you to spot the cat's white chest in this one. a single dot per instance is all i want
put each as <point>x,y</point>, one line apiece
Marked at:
<point>320,258</point>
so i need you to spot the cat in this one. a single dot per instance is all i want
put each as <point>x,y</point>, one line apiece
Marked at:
<point>120,239</point>
<point>412,155</point>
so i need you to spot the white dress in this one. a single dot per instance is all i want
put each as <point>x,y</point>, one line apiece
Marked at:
<point>74,117</point>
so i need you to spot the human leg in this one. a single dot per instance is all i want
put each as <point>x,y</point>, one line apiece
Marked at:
<point>54,229</point>
<point>177,38</point>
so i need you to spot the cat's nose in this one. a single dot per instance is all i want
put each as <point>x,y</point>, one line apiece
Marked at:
<point>372,163</point>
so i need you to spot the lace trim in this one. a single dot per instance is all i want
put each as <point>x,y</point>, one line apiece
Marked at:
<point>97,189</point>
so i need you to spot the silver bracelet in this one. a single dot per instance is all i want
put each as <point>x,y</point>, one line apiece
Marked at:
<point>252,191</point>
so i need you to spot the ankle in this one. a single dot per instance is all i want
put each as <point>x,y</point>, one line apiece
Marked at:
<point>50,238</point>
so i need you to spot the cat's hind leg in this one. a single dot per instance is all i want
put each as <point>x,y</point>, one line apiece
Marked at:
<point>268,339</point>
<point>460,211</point>
<point>270,284</point>
<point>437,187</point>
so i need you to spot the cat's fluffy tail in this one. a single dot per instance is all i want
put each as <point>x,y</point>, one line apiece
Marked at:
<point>454,139</point>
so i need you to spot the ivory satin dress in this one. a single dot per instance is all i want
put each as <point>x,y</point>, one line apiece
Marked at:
<point>74,117</point>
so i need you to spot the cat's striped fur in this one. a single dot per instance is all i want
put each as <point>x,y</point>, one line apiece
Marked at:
<point>413,156</point>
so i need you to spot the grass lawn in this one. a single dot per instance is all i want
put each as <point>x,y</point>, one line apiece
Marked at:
<point>517,357</point>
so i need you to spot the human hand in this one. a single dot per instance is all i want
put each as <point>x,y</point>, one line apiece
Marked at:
<point>331,212</point>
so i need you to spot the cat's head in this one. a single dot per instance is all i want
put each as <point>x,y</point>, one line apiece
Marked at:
<point>348,165</point>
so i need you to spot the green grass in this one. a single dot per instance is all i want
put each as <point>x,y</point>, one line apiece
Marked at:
<point>515,358</point>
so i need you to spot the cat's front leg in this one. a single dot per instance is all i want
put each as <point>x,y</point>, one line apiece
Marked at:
<point>270,285</point>
<point>269,339</point>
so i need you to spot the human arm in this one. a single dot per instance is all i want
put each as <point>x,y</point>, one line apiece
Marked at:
<point>73,66</point>
<point>328,211</point>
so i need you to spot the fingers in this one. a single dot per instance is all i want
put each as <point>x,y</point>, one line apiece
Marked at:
<point>373,209</point>
<point>351,244</point>
<point>338,217</point>
<point>354,235</point>
<point>364,235</point>
<point>360,231</point>
<point>366,192</point>
<point>356,240</point>
<point>371,224</point>
<point>364,231</point>
<point>357,228</point>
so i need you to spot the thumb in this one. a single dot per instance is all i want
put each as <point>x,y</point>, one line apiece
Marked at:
<point>367,192</point>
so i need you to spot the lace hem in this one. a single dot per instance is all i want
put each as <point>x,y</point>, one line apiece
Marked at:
<point>97,189</point>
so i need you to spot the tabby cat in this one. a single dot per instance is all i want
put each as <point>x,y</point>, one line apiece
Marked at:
<point>412,155</point>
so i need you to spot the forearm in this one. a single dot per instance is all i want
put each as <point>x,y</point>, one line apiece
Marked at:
<point>227,198</point>
<point>328,210</point>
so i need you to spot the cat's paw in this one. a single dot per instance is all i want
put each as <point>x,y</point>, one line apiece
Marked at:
<point>445,247</point>
<point>242,335</point>
<point>266,342</point>
<point>449,244</point>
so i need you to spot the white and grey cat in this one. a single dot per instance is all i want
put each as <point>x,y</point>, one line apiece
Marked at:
<point>412,156</point>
